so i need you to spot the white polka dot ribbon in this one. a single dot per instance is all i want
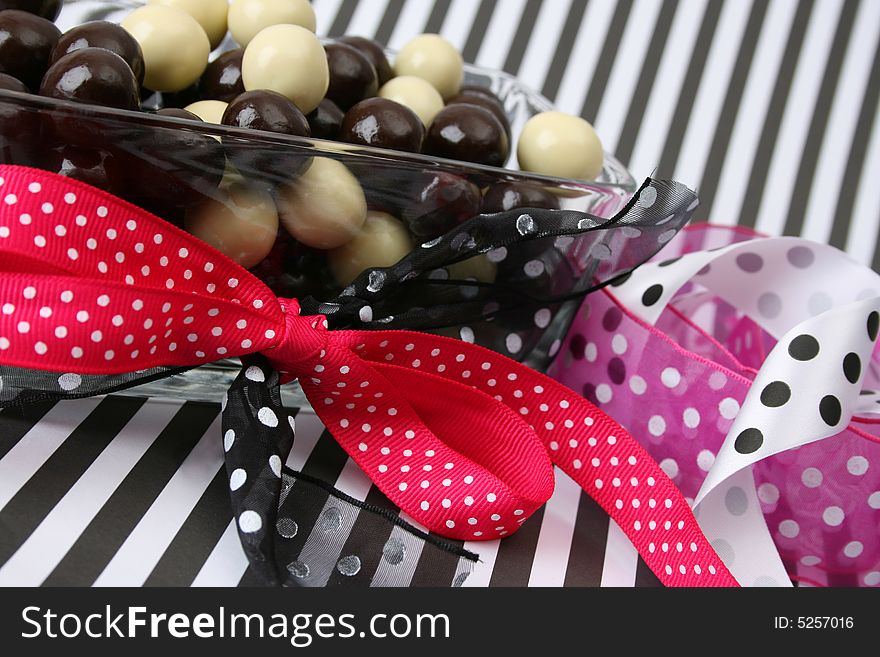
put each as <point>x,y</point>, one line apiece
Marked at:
<point>461,438</point>
<point>824,310</point>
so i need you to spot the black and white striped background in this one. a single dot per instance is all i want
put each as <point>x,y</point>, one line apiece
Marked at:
<point>767,108</point>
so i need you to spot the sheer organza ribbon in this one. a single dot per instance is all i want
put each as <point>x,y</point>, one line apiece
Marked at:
<point>461,438</point>
<point>755,367</point>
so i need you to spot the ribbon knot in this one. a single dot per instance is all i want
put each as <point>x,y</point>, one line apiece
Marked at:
<point>302,342</point>
<point>461,438</point>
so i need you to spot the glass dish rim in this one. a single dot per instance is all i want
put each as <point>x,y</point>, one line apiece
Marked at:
<point>416,160</point>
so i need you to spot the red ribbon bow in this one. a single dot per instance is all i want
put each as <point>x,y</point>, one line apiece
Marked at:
<point>461,438</point>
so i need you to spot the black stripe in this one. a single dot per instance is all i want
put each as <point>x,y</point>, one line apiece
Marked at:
<point>645,83</point>
<point>326,460</point>
<point>797,208</point>
<point>606,61</point>
<point>16,421</point>
<point>775,111</point>
<point>438,15</point>
<point>685,104</point>
<point>324,463</point>
<point>389,21</point>
<point>513,563</point>
<point>730,108</point>
<point>436,567</point>
<point>369,532</point>
<point>30,505</point>
<point>196,538</point>
<point>645,577</point>
<point>856,160</point>
<point>587,555</point>
<point>478,30</point>
<point>343,18</point>
<point>521,38</point>
<point>564,46</point>
<point>107,531</point>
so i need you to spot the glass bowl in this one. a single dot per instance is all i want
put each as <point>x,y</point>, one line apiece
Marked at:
<point>130,157</point>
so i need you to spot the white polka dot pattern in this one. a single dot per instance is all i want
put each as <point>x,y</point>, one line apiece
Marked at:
<point>115,256</point>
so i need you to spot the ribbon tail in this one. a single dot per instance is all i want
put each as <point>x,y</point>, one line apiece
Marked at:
<point>258,434</point>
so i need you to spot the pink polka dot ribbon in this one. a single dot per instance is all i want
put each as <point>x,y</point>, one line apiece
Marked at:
<point>461,438</point>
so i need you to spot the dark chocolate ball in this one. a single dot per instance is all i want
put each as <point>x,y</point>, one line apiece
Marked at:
<point>48,9</point>
<point>383,123</point>
<point>325,120</point>
<point>92,75</point>
<point>9,83</point>
<point>83,164</point>
<point>177,99</point>
<point>468,133</point>
<point>491,104</point>
<point>266,166</point>
<point>222,78</point>
<point>294,270</point>
<point>266,110</point>
<point>178,113</point>
<point>352,75</point>
<point>19,126</point>
<point>507,196</point>
<point>481,91</point>
<point>26,44</point>
<point>373,51</point>
<point>436,202</point>
<point>103,34</point>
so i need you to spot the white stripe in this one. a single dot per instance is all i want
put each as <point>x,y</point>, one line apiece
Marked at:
<point>308,430</point>
<point>546,32</point>
<point>458,21</point>
<point>557,528</point>
<point>842,120</point>
<point>27,456</point>
<point>352,481</point>
<point>499,33</point>
<point>482,574</point>
<point>226,564</point>
<point>625,72</point>
<point>366,18</point>
<point>46,546</point>
<point>410,23</point>
<point>325,12</point>
<point>584,56</point>
<point>621,559</point>
<point>658,115</point>
<point>796,118</point>
<point>752,112</point>
<point>144,547</point>
<point>710,93</point>
<point>863,233</point>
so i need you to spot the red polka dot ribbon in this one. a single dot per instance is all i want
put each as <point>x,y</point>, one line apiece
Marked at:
<point>461,438</point>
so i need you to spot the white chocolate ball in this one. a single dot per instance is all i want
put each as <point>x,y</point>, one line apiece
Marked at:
<point>434,59</point>
<point>383,241</point>
<point>478,268</point>
<point>325,206</point>
<point>175,46</point>
<point>210,14</point>
<point>560,145</point>
<point>248,17</point>
<point>242,223</point>
<point>290,60</point>
<point>209,111</point>
<point>415,93</point>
